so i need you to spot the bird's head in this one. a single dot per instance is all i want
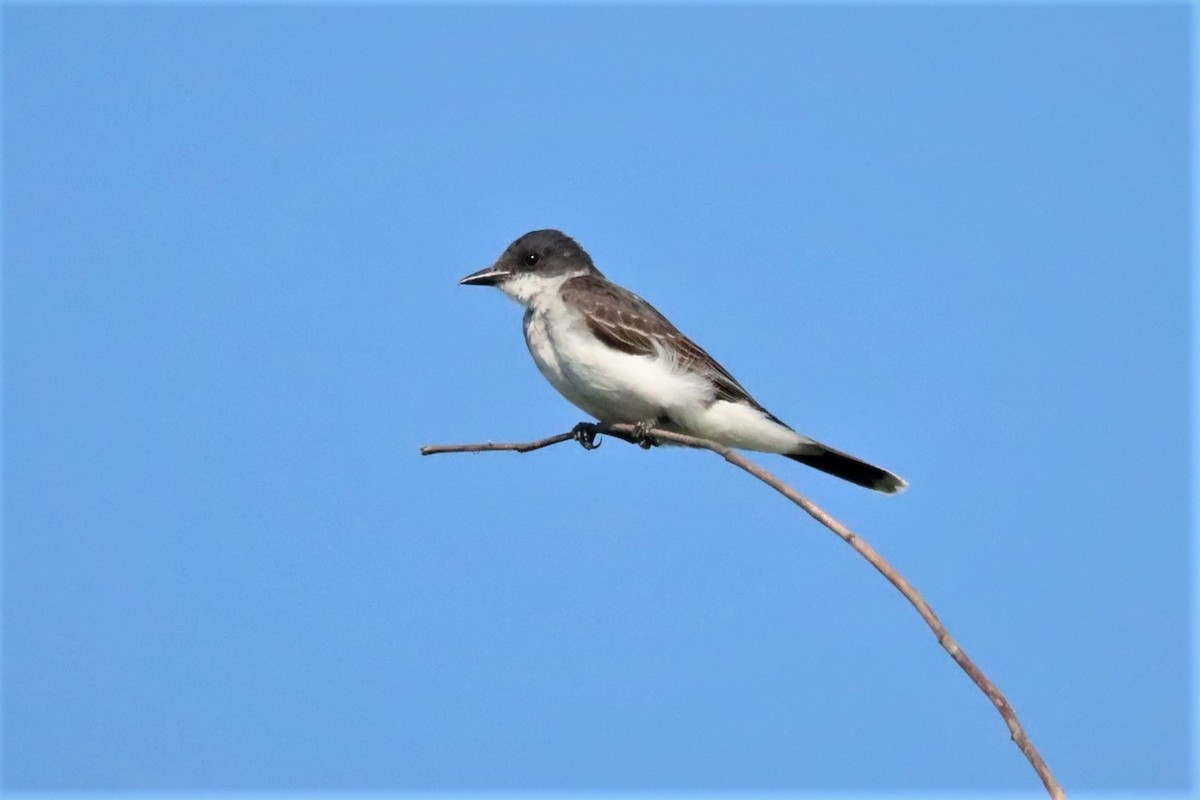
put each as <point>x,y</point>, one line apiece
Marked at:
<point>534,263</point>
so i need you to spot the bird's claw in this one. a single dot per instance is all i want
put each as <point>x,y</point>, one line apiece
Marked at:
<point>585,434</point>
<point>642,437</point>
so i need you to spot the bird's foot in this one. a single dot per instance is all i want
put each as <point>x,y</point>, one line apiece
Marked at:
<point>585,434</point>
<point>642,437</point>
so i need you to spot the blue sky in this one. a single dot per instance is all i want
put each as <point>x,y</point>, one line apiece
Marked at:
<point>951,239</point>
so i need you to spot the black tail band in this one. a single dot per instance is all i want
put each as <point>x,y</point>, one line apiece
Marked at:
<point>849,468</point>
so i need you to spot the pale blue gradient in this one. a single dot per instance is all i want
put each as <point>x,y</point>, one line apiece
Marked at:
<point>953,240</point>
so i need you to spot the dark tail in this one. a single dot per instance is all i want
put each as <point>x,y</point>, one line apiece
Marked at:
<point>848,468</point>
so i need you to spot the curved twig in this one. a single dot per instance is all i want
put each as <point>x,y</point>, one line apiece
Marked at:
<point>633,434</point>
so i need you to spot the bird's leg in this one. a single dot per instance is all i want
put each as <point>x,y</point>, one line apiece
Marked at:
<point>642,437</point>
<point>585,434</point>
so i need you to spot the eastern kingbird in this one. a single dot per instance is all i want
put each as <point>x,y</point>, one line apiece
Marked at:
<point>613,355</point>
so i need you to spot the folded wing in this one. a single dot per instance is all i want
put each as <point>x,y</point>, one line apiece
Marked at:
<point>626,322</point>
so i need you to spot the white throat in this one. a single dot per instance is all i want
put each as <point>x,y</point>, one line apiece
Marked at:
<point>531,289</point>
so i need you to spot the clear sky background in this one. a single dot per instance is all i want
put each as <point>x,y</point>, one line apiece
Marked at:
<point>953,240</point>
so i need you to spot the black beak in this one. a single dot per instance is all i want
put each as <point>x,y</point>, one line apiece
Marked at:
<point>488,276</point>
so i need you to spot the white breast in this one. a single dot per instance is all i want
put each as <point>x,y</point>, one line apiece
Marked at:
<point>537,339</point>
<point>610,385</point>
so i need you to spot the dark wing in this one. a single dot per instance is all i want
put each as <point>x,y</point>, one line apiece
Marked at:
<point>626,322</point>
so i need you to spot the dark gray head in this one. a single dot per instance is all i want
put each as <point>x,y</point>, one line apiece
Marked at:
<point>532,262</point>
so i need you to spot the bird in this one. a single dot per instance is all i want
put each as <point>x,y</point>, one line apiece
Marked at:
<point>615,357</point>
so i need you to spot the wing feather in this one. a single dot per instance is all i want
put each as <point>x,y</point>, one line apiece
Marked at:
<point>626,322</point>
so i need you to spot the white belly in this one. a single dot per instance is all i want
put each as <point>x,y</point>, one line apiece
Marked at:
<point>609,385</point>
<point>618,387</point>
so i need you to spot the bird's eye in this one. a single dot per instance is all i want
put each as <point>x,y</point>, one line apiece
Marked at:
<point>531,259</point>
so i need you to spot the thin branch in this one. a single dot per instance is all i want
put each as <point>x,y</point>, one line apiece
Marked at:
<point>632,434</point>
<point>489,447</point>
